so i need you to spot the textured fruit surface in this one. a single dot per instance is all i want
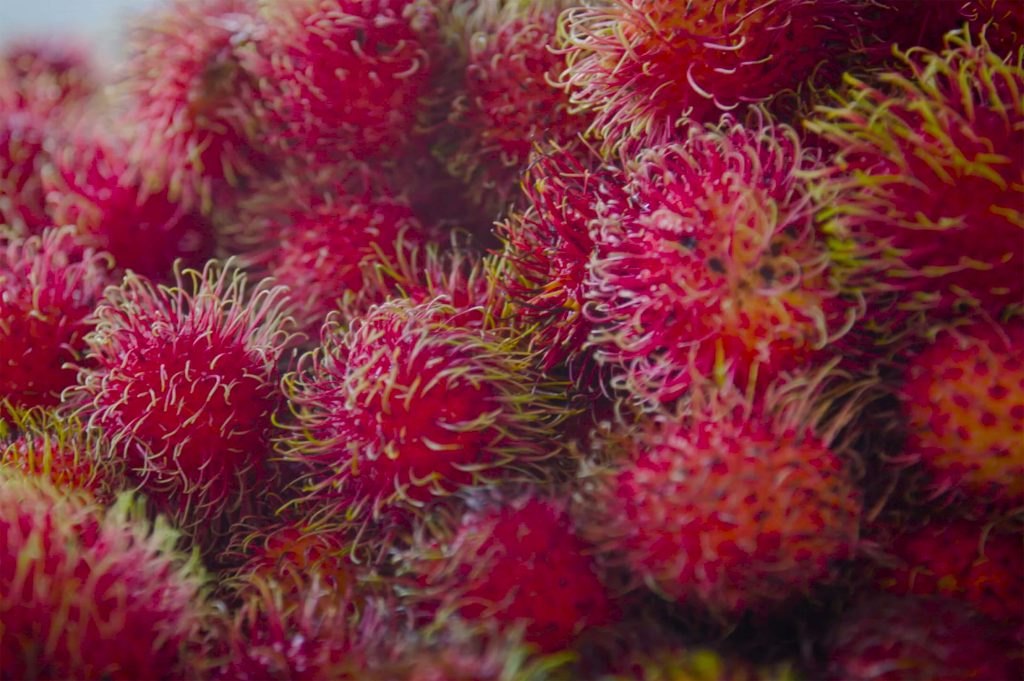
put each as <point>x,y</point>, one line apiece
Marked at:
<point>923,199</point>
<point>405,406</point>
<point>907,638</point>
<point>89,594</point>
<point>963,399</point>
<point>49,77</point>
<point>22,156</point>
<point>726,513</point>
<point>49,286</point>
<point>722,276</point>
<point>518,563</point>
<point>644,65</point>
<point>960,560</point>
<point>185,376</point>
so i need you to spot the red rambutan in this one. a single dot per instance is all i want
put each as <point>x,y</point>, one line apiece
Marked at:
<point>644,66</point>
<point>722,276</point>
<point>520,562</point>
<point>548,247</point>
<point>46,76</point>
<point>963,401</point>
<point>89,594</point>
<point>728,510</point>
<point>60,449</point>
<point>49,287</point>
<point>405,406</point>
<point>900,639</point>
<point>922,201</point>
<point>186,378</point>
<point>22,157</point>
<point>92,186</point>
<point>193,102</point>
<point>345,76</point>
<point>960,560</point>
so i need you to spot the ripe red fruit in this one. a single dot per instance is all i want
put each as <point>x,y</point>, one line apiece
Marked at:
<point>900,639</point>
<point>506,102</point>
<point>194,104</point>
<point>725,510</point>
<point>345,76</point>
<point>46,76</point>
<point>405,406</point>
<point>89,594</point>
<point>960,560</point>
<point>548,246</point>
<point>60,449</point>
<point>722,275</point>
<point>963,401</point>
<point>923,198</point>
<point>519,563</point>
<point>91,185</point>
<point>185,377</point>
<point>22,157</point>
<point>49,286</point>
<point>643,66</point>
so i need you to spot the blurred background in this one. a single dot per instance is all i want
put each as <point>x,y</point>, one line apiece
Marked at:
<point>95,21</point>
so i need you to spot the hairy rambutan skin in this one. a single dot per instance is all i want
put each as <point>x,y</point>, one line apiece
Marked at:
<point>548,246</point>
<point>519,562</point>
<point>722,276</point>
<point>506,102</point>
<point>22,157</point>
<point>645,66</point>
<point>731,507</point>
<point>185,377</point>
<point>59,448</point>
<point>963,401</point>
<point>91,594</point>
<point>345,76</point>
<point>405,406</point>
<point>91,185</point>
<point>906,638</point>
<point>49,287</point>
<point>960,560</point>
<point>922,201</point>
<point>45,76</point>
<point>194,103</point>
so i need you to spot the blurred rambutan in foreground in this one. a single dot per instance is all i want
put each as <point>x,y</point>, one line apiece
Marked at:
<point>185,377</point>
<point>90,594</point>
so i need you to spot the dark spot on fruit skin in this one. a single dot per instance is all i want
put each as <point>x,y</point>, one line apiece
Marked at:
<point>768,273</point>
<point>716,265</point>
<point>688,242</point>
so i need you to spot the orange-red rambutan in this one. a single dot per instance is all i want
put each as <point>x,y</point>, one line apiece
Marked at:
<point>49,286</point>
<point>963,401</point>
<point>922,202</point>
<point>185,378</point>
<point>645,66</point>
<point>722,275</point>
<point>91,594</point>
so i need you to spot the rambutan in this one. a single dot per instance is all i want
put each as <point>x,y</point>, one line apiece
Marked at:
<point>193,102</point>
<point>89,594</point>
<point>548,246</point>
<point>345,76</point>
<point>405,406</point>
<point>506,102</point>
<point>963,401</point>
<point>91,185</point>
<point>22,157</point>
<point>699,665</point>
<point>519,562</point>
<point>730,508</point>
<point>49,286</point>
<point>642,67</point>
<point>722,276</point>
<point>185,377</point>
<point>923,198</point>
<point>60,449</point>
<point>906,638</point>
<point>960,560</point>
<point>46,76</point>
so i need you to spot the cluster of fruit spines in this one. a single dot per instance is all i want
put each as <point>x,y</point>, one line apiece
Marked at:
<point>543,340</point>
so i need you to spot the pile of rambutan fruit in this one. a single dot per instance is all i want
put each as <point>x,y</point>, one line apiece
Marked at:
<point>509,339</point>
